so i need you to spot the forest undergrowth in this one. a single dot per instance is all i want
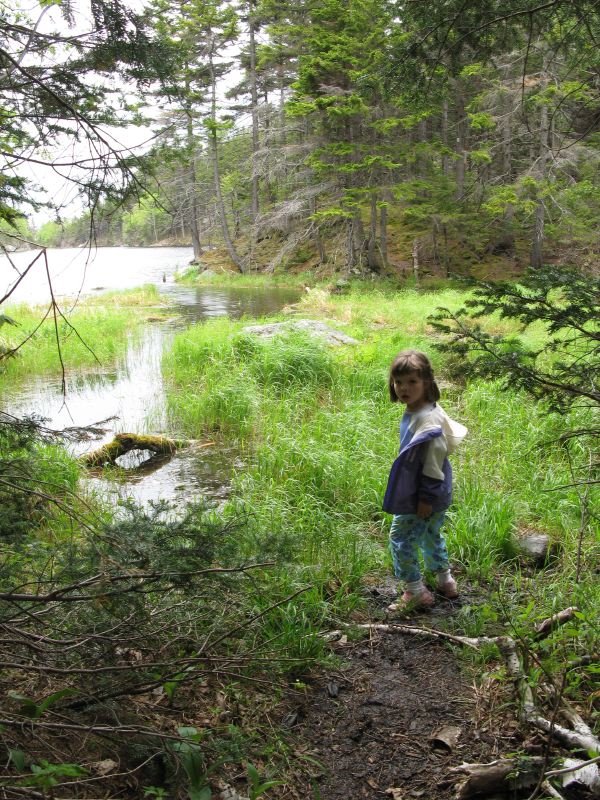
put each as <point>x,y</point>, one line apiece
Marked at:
<point>147,654</point>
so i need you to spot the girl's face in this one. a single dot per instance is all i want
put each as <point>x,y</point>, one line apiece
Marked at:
<point>410,389</point>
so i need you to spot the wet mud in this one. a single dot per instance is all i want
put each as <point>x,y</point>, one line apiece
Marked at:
<point>370,726</point>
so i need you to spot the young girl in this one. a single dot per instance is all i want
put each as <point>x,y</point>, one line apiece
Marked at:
<point>419,488</point>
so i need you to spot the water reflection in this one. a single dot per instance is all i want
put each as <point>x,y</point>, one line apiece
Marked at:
<point>205,302</point>
<point>132,391</point>
<point>187,476</point>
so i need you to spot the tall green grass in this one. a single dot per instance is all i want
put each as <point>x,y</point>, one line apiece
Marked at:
<point>319,435</point>
<point>95,330</point>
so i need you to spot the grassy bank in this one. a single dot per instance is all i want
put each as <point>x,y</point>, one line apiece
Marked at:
<point>95,330</point>
<point>318,434</point>
<point>225,276</point>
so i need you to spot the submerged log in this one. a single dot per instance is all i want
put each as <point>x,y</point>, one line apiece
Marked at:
<point>125,442</point>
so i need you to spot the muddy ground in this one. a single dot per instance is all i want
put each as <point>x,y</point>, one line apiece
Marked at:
<point>370,726</point>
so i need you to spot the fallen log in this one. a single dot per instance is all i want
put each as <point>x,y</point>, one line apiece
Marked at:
<point>126,442</point>
<point>503,775</point>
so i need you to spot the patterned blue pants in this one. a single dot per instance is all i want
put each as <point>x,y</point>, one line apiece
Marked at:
<point>409,534</point>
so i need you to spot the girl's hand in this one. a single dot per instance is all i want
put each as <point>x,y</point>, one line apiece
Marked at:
<point>424,509</point>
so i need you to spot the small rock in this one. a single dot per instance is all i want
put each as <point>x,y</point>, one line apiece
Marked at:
<point>208,273</point>
<point>535,547</point>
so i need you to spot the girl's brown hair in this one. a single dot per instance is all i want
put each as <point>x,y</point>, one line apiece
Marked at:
<point>414,361</point>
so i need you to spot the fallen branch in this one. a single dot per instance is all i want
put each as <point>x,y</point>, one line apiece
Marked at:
<point>546,627</point>
<point>428,633</point>
<point>125,442</point>
<point>63,593</point>
<point>551,791</point>
<point>581,738</point>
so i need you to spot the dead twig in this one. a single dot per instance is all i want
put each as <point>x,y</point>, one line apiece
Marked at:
<point>573,767</point>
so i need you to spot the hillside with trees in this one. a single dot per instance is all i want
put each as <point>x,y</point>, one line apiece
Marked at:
<point>366,135</point>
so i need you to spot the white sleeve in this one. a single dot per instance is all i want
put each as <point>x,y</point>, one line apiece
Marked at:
<point>436,452</point>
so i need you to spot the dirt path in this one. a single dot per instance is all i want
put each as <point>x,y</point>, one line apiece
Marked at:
<point>390,696</point>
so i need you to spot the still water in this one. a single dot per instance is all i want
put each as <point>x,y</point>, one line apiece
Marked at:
<point>131,390</point>
<point>81,271</point>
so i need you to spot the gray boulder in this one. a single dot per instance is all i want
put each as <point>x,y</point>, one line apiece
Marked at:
<point>536,548</point>
<point>313,327</point>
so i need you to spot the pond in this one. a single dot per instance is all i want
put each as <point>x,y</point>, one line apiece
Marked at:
<point>130,391</point>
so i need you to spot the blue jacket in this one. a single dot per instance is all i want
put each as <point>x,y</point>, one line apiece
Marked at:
<point>422,470</point>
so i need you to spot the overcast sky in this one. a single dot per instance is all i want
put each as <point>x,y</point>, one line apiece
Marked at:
<point>53,181</point>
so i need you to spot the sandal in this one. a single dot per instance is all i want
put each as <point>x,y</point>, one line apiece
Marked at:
<point>409,600</point>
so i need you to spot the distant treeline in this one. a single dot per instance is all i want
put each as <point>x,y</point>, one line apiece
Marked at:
<point>140,226</point>
<point>447,134</point>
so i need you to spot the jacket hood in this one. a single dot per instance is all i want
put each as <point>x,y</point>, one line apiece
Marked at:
<point>436,420</point>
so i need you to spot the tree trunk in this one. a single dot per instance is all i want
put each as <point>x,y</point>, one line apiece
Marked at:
<point>434,243</point>
<point>415,258</point>
<point>359,237</point>
<point>446,254</point>
<point>460,144</point>
<point>383,244</point>
<point>372,255</point>
<point>280,76</point>
<point>445,157</point>
<point>233,254</point>
<point>421,159</point>
<point>350,251</point>
<point>506,140</point>
<point>318,239</point>
<point>537,244</point>
<point>254,96</point>
<point>268,187</point>
<point>191,147</point>
<point>194,230</point>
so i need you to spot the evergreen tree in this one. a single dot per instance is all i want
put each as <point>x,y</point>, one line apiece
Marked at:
<point>68,99</point>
